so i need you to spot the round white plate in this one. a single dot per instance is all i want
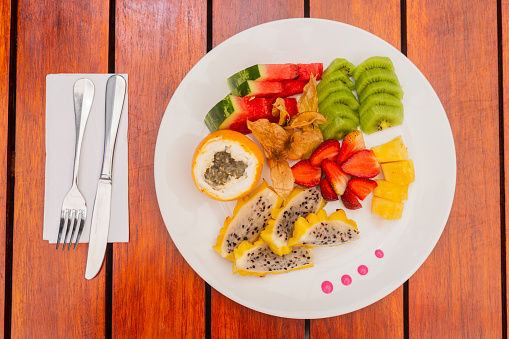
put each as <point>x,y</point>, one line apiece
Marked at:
<point>193,220</point>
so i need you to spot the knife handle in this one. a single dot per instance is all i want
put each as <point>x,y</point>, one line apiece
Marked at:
<point>115,94</point>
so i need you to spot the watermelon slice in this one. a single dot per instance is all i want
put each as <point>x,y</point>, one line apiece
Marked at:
<point>305,71</point>
<point>267,72</point>
<point>292,87</point>
<point>259,89</point>
<point>233,112</point>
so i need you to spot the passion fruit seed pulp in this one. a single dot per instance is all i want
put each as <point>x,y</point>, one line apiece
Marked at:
<point>223,167</point>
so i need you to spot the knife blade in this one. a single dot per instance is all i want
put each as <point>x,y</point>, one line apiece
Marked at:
<point>115,94</point>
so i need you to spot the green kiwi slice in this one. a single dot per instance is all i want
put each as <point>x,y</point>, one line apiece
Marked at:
<point>340,111</point>
<point>333,77</point>
<point>339,64</point>
<point>382,99</point>
<point>342,97</point>
<point>373,62</point>
<point>330,88</point>
<point>379,117</point>
<point>338,128</point>
<point>381,87</point>
<point>373,75</point>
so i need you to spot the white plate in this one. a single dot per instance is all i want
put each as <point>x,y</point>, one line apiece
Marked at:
<point>193,220</point>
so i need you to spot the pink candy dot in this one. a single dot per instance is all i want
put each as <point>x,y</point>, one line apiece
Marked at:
<point>346,280</point>
<point>327,287</point>
<point>379,253</point>
<point>363,270</point>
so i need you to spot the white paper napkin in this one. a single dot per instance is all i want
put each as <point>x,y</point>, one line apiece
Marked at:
<point>60,142</point>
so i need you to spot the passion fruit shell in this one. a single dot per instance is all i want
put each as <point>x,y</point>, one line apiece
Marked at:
<point>241,149</point>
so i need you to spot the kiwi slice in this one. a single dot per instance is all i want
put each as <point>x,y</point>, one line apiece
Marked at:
<point>342,97</point>
<point>373,62</point>
<point>330,88</point>
<point>340,111</point>
<point>338,128</point>
<point>373,75</point>
<point>381,87</point>
<point>380,117</point>
<point>379,99</point>
<point>333,77</point>
<point>339,64</point>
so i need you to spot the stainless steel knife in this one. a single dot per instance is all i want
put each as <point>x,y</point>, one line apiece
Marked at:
<point>115,94</point>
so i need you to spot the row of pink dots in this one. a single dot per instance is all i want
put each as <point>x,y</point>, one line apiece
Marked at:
<point>346,280</point>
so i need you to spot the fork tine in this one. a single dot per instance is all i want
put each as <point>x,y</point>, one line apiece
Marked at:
<point>78,214</point>
<point>73,214</point>
<point>63,221</point>
<point>82,223</point>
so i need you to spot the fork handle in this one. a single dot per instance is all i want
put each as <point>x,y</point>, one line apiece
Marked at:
<point>83,98</point>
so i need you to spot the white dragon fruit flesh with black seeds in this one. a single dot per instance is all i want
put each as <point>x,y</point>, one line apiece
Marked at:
<point>258,259</point>
<point>249,218</point>
<point>320,230</point>
<point>300,203</point>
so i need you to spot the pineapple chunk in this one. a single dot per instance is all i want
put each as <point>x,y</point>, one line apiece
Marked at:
<point>393,150</point>
<point>399,172</point>
<point>387,209</point>
<point>390,191</point>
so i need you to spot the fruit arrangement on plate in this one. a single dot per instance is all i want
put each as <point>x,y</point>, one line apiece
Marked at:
<point>274,229</point>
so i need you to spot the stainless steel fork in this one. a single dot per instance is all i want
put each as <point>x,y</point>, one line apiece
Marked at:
<point>74,207</point>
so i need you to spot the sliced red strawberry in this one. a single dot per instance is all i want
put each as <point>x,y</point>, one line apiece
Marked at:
<point>306,174</point>
<point>350,200</point>
<point>336,177</point>
<point>329,149</point>
<point>327,190</point>
<point>362,164</point>
<point>362,187</point>
<point>353,142</point>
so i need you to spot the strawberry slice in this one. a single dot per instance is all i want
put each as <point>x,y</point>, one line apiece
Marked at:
<point>335,176</point>
<point>362,164</point>
<point>353,142</point>
<point>329,149</point>
<point>350,200</point>
<point>327,191</point>
<point>306,174</point>
<point>362,187</point>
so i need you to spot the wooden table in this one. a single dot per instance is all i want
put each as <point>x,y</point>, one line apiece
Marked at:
<point>147,290</point>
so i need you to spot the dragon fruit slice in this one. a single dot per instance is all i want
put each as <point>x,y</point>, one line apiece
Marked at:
<point>322,230</point>
<point>300,203</point>
<point>250,216</point>
<point>258,259</point>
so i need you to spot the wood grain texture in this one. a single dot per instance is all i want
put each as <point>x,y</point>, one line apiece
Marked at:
<point>50,296</point>
<point>5,34</point>
<point>229,319</point>
<point>457,292</point>
<point>155,293</point>
<point>385,318</point>
<point>505,97</point>
<point>382,18</point>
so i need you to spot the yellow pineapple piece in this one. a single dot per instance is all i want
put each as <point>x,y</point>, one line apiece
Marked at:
<point>390,191</point>
<point>399,172</point>
<point>387,209</point>
<point>393,150</point>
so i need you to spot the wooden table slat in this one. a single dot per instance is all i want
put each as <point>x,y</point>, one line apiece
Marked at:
<point>50,296</point>
<point>457,291</point>
<point>5,30</point>
<point>505,105</point>
<point>389,310</point>
<point>155,292</point>
<point>229,319</point>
